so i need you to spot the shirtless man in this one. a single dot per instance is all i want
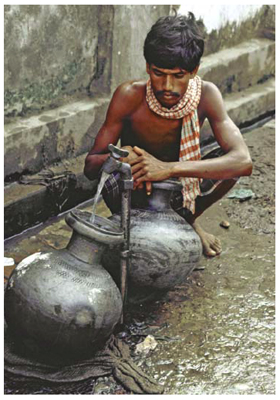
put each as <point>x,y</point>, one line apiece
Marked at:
<point>159,121</point>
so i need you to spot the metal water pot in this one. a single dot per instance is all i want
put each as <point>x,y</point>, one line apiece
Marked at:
<point>164,248</point>
<point>64,300</point>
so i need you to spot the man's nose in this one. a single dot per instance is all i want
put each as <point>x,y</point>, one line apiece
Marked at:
<point>168,83</point>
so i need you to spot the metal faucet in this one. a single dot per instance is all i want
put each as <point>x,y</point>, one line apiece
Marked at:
<point>111,165</point>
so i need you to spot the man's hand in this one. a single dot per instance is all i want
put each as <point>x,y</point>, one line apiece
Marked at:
<point>131,156</point>
<point>129,159</point>
<point>146,168</point>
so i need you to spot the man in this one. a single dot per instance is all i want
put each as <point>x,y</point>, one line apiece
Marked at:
<point>159,121</point>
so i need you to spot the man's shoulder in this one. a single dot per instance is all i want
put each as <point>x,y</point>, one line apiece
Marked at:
<point>131,92</point>
<point>211,103</point>
<point>208,89</point>
<point>210,95</point>
<point>128,97</point>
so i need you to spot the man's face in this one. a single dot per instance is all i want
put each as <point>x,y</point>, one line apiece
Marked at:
<point>169,85</point>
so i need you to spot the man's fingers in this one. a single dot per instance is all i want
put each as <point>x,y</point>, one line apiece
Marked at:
<point>139,186</point>
<point>138,151</point>
<point>136,160</point>
<point>141,180</point>
<point>136,167</point>
<point>137,174</point>
<point>148,188</point>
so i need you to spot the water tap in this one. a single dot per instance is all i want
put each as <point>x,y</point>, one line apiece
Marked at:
<point>113,164</point>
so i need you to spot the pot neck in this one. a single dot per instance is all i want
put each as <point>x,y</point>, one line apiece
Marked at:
<point>85,249</point>
<point>159,200</point>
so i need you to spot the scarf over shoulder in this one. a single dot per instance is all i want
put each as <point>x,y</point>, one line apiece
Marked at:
<point>186,109</point>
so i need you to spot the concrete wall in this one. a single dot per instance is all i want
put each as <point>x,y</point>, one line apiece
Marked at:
<point>53,52</point>
<point>62,64</point>
<point>131,25</point>
<point>50,51</point>
<point>227,25</point>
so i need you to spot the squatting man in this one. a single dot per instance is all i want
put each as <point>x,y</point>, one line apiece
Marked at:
<point>159,122</point>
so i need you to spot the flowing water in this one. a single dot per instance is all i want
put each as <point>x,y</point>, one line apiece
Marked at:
<point>102,181</point>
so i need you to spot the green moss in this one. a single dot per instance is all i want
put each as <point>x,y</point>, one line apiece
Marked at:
<point>38,95</point>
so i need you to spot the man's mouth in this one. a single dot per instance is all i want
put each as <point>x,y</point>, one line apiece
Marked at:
<point>167,95</point>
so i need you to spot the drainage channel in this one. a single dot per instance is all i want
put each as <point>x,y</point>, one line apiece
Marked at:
<point>33,230</point>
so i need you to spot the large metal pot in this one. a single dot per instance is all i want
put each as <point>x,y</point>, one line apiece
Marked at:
<point>65,300</point>
<point>164,248</point>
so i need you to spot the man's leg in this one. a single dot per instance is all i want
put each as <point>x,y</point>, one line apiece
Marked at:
<point>211,244</point>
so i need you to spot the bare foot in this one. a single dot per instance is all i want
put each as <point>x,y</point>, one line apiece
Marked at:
<point>211,245</point>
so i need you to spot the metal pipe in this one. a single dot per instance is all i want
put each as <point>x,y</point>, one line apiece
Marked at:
<point>125,253</point>
<point>113,164</point>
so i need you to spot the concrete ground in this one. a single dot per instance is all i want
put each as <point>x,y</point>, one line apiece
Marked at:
<point>216,333</point>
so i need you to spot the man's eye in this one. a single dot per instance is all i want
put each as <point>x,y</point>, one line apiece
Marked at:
<point>179,76</point>
<point>158,73</point>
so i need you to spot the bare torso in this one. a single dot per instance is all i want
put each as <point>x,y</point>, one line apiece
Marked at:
<point>143,128</point>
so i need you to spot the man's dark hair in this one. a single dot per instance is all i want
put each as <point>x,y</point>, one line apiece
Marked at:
<point>174,41</point>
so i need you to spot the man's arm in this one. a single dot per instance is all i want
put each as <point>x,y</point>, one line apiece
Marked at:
<point>119,109</point>
<point>236,162</point>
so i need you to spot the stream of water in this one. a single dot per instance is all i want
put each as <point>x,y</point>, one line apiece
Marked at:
<point>102,181</point>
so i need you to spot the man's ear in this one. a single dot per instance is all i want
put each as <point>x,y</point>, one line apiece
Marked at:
<point>148,68</point>
<point>194,72</point>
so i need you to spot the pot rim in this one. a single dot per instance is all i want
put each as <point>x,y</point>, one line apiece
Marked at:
<point>79,221</point>
<point>168,184</point>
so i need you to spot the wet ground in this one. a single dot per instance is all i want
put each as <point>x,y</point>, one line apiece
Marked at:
<point>216,333</point>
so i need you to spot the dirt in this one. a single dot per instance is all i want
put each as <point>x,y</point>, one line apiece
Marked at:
<point>216,333</point>
<point>258,213</point>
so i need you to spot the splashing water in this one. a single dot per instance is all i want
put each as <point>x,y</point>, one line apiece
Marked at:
<point>102,181</point>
